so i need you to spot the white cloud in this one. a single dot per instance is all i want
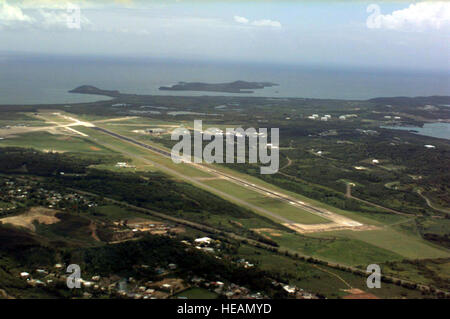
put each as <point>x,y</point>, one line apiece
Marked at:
<point>59,16</point>
<point>11,14</point>
<point>417,17</point>
<point>55,4</point>
<point>242,20</point>
<point>266,23</point>
<point>62,19</point>
<point>258,23</point>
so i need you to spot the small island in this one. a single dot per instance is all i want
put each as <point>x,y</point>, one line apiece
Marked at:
<point>89,89</point>
<point>232,87</point>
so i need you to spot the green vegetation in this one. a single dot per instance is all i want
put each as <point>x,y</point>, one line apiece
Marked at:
<point>429,271</point>
<point>28,161</point>
<point>320,279</point>
<point>413,245</point>
<point>47,142</point>
<point>157,192</point>
<point>397,241</point>
<point>333,248</point>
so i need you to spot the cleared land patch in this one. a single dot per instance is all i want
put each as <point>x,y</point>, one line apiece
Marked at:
<point>40,215</point>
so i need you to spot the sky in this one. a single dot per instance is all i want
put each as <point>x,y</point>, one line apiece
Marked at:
<point>410,35</point>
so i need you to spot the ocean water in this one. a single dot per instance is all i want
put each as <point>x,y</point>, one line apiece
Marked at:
<point>38,80</point>
<point>439,130</point>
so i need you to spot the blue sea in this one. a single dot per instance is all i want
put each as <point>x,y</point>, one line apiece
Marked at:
<point>44,79</point>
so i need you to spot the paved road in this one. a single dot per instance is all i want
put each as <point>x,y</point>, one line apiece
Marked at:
<point>430,204</point>
<point>348,194</point>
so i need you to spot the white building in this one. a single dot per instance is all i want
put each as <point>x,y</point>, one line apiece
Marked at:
<point>430,146</point>
<point>203,240</point>
<point>289,289</point>
<point>123,165</point>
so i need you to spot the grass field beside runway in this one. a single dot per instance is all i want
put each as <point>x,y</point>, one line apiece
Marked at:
<point>143,122</point>
<point>46,142</point>
<point>397,241</point>
<point>284,209</point>
<point>352,252</point>
<point>137,153</point>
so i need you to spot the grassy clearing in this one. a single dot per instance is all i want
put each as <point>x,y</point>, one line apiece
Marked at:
<point>44,141</point>
<point>139,154</point>
<point>351,252</point>
<point>27,119</point>
<point>144,121</point>
<point>399,242</point>
<point>139,166</point>
<point>89,117</point>
<point>53,116</point>
<point>26,123</point>
<point>252,223</point>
